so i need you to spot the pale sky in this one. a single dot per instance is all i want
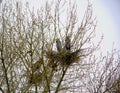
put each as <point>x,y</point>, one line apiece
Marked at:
<point>107,13</point>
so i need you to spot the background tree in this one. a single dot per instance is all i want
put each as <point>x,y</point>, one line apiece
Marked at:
<point>105,75</point>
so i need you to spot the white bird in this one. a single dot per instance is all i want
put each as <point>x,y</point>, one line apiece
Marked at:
<point>58,45</point>
<point>67,43</point>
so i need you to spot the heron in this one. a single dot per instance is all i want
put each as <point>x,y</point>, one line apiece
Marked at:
<point>67,43</point>
<point>0,1</point>
<point>58,45</point>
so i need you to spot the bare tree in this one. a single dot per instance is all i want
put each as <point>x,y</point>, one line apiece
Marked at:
<point>105,75</point>
<point>42,53</point>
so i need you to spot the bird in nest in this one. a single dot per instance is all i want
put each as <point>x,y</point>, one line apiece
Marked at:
<point>58,45</point>
<point>67,43</point>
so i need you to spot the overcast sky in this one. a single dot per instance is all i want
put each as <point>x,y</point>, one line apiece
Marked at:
<point>107,12</point>
<point>113,7</point>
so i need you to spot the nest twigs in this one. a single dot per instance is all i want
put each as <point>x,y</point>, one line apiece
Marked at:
<point>63,58</point>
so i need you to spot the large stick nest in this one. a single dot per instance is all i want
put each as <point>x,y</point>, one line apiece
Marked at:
<point>63,58</point>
